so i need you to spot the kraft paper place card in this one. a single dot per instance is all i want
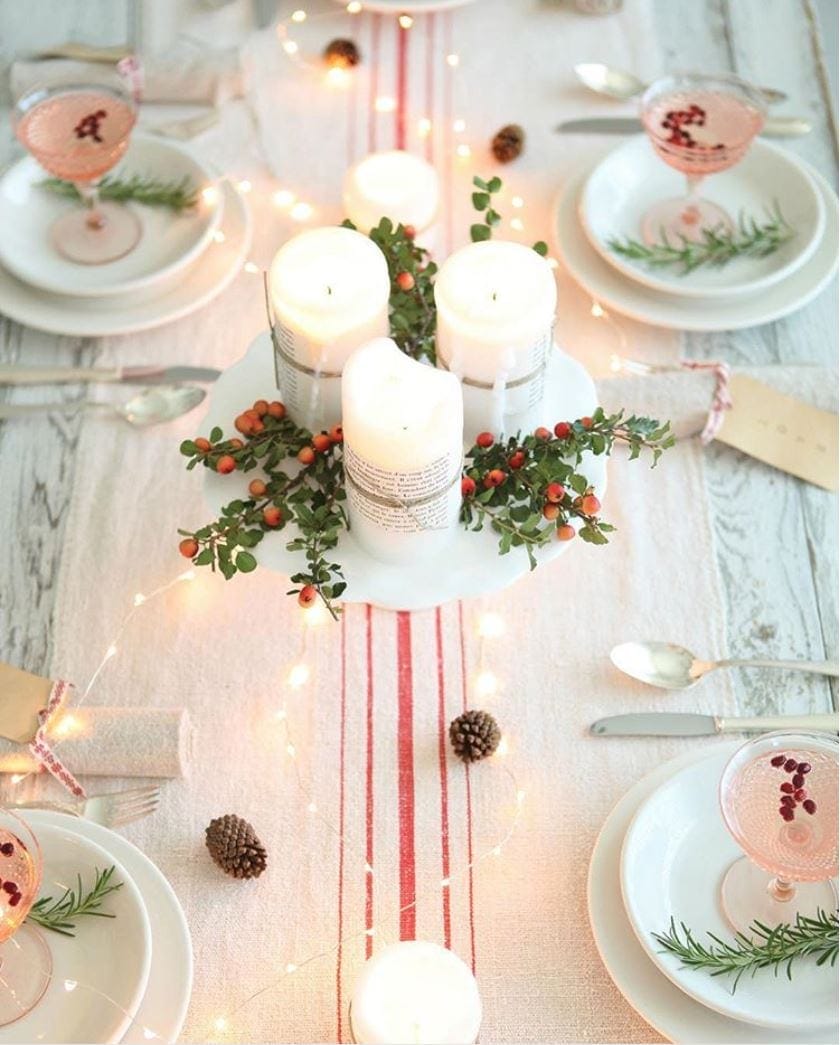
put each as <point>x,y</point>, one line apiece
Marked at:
<point>22,696</point>
<point>782,431</point>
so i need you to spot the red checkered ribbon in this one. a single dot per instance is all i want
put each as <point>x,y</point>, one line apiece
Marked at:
<point>721,401</point>
<point>41,750</point>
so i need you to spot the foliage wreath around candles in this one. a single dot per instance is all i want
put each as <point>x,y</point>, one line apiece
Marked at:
<point>526,487</point>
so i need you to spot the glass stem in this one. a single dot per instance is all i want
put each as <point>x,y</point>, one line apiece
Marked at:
<point>692,184</point>
<point>781,890</point>
<point>89,192</point>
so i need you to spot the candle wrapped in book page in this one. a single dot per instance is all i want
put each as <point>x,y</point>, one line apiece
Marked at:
<point>495,315</point>
<point>403,433</point>
<point>328,293</point>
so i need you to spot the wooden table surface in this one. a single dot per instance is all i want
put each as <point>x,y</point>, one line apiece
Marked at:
<point>776,536</point>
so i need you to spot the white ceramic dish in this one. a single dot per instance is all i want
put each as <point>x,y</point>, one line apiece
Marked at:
<point>164,1005</point>
<point>472,564</point>
<point>657,1000</point>
<point>632,177</point>
<point>675,854</point>
<point>126,314</point>
<point>615,291</point>
<point>168,245</point>
<point>107,962</point>
<point>400,7</point>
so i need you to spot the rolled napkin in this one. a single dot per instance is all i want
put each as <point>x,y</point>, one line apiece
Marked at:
<point>129,742</point>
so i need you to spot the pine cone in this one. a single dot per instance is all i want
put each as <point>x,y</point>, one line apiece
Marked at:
<point>234,846</point>
<point>474,735</point>
<point>342,54</point>
<point>508,143</point>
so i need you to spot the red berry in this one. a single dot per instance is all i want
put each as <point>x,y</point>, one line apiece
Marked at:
<point>405,281</point>
<point>244,424</point>
<point>236,444</point>
<point>555,493</point>
<point>590,505</point>
<point>337,434</point>
<point>790,765</point>
<point>787,813</point>
<point>778,760</point>
<point>495,477</point>
<point>306,455</point>
<point>7,848</point>
<point>188,548</point>
<point>261,407</point>
<point>467,486</point>
<point>804,767</point>
<point>797,780</point>
<point>272,516</point>
<point>542,433</point>
<point>14,899</point>
<point>565,532</point>
<point>257,426</point>
<point>485,439</point>
<point>276,410</point>
<point>788,800</point>
<point>257,488</point>
<point>322,442</point>
<point>586,422</point>
<point>409,231</point>
<point>550,511</point>
<point>800,794</point>
<point>225,464</point>
<point>810,806</point>
<point>202,444</point>
<point>9,887</point>
<point>307,596</point>
<point>562,430</point>
<point>787,787</point>
<point>516,460</point>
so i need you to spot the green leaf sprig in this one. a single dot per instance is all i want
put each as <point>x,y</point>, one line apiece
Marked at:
<point>178,195</point>
<point>716,248</point>
<point>760,948</point>
<point>60,915</point>
<point>482,200</point>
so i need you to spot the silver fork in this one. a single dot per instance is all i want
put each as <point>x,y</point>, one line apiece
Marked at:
<point>112,810</point>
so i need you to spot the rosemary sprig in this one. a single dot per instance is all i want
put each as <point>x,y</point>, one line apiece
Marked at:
<point>752,239</point>
<point>59,915</point>
<point>153,192</point>
<point>765,949</point>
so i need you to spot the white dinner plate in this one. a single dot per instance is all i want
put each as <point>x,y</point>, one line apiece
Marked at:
<point>657,1000</point>
<point>675,855</point>
<point>168,244</point>
<point>614,290</point>
<point>399,7</point>
<point>141,310</point>
<point>164,1005</point>
<point>631,178</point>
<point>100,975</point>
<point>471,564</point>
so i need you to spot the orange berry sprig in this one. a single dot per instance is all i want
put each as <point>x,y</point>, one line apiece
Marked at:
<point>304,483</point>
<point>529,489</point>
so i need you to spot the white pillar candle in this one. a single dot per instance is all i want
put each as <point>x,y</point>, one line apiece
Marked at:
<point>415,992</point>
<point>495,314</point>
<point>395,185</point>
<point>403,434</point>
<point>329,292</point>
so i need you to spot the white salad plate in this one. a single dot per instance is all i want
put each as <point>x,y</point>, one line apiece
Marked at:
<point>168,244</point>
<point>632,178</point>
<point>401,7</point>
<point>208,276</point>
<point>162,1011</point>
<point>655,997</point>
<point>674,857</point>
<point>471,564</point>
<point>99,976</point>
<point>614,290</point>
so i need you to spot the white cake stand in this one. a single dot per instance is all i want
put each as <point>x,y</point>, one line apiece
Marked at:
<point>471,565</point>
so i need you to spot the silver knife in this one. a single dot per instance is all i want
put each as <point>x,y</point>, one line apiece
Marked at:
<point>774,126</point>
<point>130,375</point>
<point>677,724</point>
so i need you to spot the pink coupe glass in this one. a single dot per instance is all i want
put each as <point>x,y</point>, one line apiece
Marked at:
<point>77,133</point>
<point>25,960</point>
<point>778,795</point>
<point>698,125</point>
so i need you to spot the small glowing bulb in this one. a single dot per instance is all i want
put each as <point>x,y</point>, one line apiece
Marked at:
<point>553,263</point>
<point>596,310</point>
<point>139,599</point>
<point>299,676</point>
<point>520,797</point>
<point>290,750</point>
<point>338,77</point>
<point>281,715</point>
<point>244,185</point>
<point>220,1023</point>
<point>301,212</point>
<point>370,932</point>
<point>491,626</point>
<point>315,615</point>
<point>615,363</point>
<point>368,869</point>
<point>67,724</point>
<point>497,850</point>
<point>290,47</point>
<point>290,968</point>
<point>17,777</point>
<point>298,16</point>
<point>218,236</point>
<point>464,151</point>
<point>251,268</point>
<point>210,194</point>
<point>503,747</point>
<point>516,224</point>
<point>187,575</point>
<point>424,127</point>
<point>111,651</point>
<point>312,807</point>
<point>70,985</point>
<point>445,883</point>
<point>385,103</point>
<point>354,7</point>
<point>453,60</point>
<point>148,1033</point>
<point>459,126</point>
<point>283,198</point>
<point>406,21</point>
<point>486,684</point>
<point>517,202</point>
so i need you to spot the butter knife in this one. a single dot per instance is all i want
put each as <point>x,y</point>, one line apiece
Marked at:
<point>129,375</point>
<point>774,126</point>
<point>680,724</point>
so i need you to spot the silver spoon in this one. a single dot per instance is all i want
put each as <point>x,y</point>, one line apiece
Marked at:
<point>150,407</point>
<point>616,83</point>
<point>672,667</point>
